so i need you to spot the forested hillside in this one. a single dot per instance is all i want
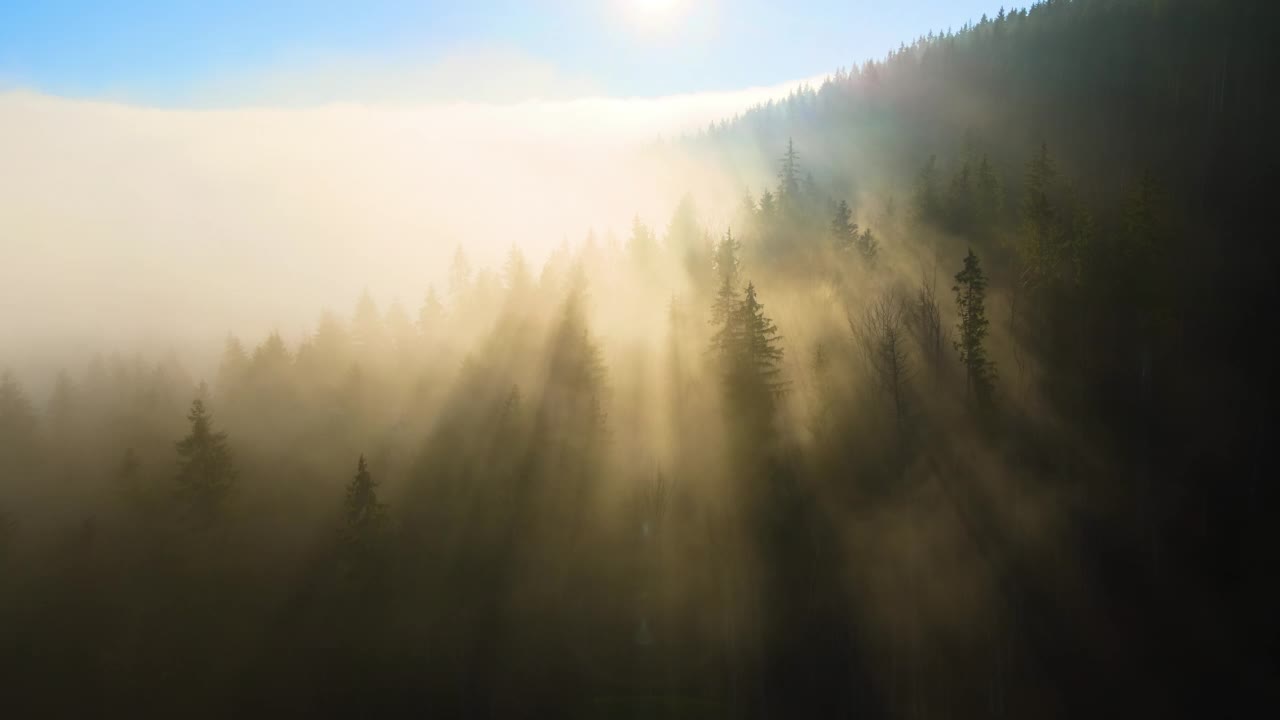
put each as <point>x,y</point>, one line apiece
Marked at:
<point>964,412</point>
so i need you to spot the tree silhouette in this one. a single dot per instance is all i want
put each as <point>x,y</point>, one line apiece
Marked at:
<point>17,422</point>
<point>516,277</point>
<point>430,315</point>
<point>844,232</point>
<point>883,336</point>
<point>749,352</point>
<point>868,246</point>
<point>727,267</point>
<point>364,515</point>
<point>789,174</point>
<point>206,473</point>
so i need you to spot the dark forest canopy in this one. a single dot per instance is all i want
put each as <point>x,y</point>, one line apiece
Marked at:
<point>964,413</point>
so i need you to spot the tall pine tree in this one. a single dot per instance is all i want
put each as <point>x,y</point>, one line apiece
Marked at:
<point>971,293</point>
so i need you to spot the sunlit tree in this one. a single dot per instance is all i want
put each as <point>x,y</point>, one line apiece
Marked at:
<point>789,174</point>
<point>882,333</point>
<point>844,232</point>
<point>972,327</point>
<point>727,267</point>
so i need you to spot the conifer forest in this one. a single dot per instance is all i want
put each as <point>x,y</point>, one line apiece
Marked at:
<point>959,406</point>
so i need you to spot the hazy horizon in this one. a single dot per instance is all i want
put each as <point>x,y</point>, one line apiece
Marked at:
<point>638,358</point>
<point>348,197</point>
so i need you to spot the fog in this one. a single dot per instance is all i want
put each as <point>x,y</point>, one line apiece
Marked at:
<point>134,228</point>
<point>926,390</point>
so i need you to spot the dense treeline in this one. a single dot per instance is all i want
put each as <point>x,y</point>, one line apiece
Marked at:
<point>963,415</point>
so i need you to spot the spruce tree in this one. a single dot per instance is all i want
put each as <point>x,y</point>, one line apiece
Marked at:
<point>459,278</point>
<point>576,376</point>
<point>789,173</point>
<point>364,532</point>
<point>924,199</point>
<point>641,246</point>
<point>206,473</point>
<point>516,277</point>
<point>430,315</point>
<point>768,206</point>
<point>364,514</point>
<point>748,348</point>
<point>331,351</point>
<point>868,246</point>
<point>234,367</point>
<point>1040,229</point>
<point>844,231</point>
<point>368,331</point>
<point>761,344</point>
<point>971,292</point>
<point>17,422</point>
<point>727,266</point>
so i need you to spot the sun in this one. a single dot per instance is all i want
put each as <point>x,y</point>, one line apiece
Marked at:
<point>652,12</point>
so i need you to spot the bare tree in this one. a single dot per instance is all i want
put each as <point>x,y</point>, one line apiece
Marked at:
<point>882,333</point>
<point>925,315</point>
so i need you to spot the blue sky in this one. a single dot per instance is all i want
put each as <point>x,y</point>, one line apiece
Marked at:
<point>181,52</point>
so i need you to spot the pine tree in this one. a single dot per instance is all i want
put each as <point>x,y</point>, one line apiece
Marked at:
<point>569,422</point>
<point>925,201</point>
<point>789,174</point>
<point>577,372</point>
<point>328,353</point>
<point>459,279</point>
<point>748,348</point>
<point>364,515</point>
<point>761,343</point>
<point>17,422</point>
<point>368,332</point>
<point>1040,222</point>
<point>364,530</point>
<point>516,277</point>
<point>683,232</point>
<point>206,473</point>
<point>641,246</point>
<point>727,267</point>
<point>988,191</point>
<point>768,206</point>
<point>971,291</point>
<point>62,406</point>
<point>868,246</point>
<point>844,231</point>
<point>234,367</point>
<point>431,314</point>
